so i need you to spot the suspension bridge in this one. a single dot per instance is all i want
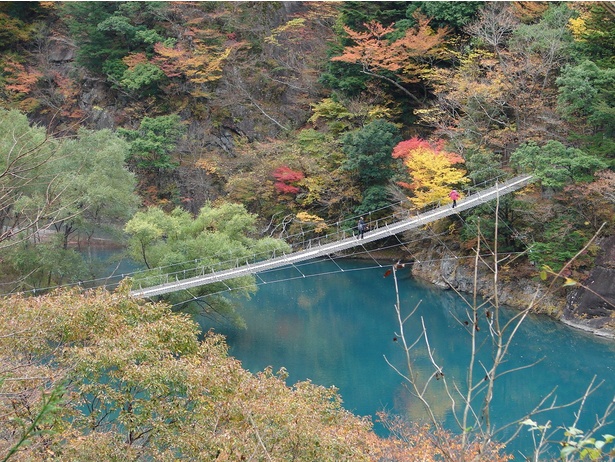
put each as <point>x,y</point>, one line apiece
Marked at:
<point>327,245</point>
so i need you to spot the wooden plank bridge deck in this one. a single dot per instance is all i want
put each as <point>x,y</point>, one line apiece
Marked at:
<point>473,200</point>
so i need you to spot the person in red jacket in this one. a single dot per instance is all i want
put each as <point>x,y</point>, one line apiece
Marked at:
<point>454,195</point>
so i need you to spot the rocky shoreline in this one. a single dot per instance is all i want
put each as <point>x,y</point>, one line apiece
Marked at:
<point>590,307</point>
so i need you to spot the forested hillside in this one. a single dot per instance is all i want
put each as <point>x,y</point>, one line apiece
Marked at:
<point>307,112</point>
<point>300,106</point>
<point>185,130</point>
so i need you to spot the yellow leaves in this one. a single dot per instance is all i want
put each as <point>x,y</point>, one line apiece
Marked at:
<point>207,165</point>
<point>139,372</point>
<point>205,66</point>
<point>199,65</point>
<point>314,187</point>
<point>569,282</point>
<point>380,112</point>
<point>432,170</point>
<point>291,26</point>
<point>169,52</point>
<point>430,116</point>
<point>547,271</point>
<point>578,27</point>
<point>316,221</point>
<point>329,109</point>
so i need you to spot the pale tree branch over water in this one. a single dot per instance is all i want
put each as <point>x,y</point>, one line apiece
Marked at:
<point>471,400</point>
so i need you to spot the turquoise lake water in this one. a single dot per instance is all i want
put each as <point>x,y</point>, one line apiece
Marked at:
<point>336,329</point>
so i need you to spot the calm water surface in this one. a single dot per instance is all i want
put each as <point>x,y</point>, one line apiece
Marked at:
<point>337,329</point>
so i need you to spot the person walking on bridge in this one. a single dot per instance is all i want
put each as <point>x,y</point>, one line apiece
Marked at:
<point>361,228</point>
<point>454,195</point>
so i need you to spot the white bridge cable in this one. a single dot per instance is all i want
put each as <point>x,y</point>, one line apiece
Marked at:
<point>319,249</point>
<point>406,263</point>
<point>340,269</point>
<point>333,243</point>
<point>327,273</point>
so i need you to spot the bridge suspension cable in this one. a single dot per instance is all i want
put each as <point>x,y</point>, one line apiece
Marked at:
<point>331,243</point>
<point>387,224</point>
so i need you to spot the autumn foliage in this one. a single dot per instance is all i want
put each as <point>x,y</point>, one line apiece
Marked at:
<point>108,377</point>
<point>286,180</point>
<point>434,170</point>
<point>377,54</point>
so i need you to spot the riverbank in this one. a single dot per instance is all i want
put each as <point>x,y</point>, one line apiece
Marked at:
<point>589,306</point>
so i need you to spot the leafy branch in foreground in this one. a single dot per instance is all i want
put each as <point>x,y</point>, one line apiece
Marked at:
<point>50,404</point>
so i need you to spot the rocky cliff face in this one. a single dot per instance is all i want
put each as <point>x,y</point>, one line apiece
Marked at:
<point>592,305</point>
<point>449,272</point>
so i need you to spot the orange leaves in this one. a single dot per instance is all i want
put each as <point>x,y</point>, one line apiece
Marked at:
<point>207,165</point>
<point>134,59</point>
<point>201,65</point>
<point>411,441</point>
<point>375,52</point>
<point>169,59</point>
<point>19,78</point>
<point>371,46</point>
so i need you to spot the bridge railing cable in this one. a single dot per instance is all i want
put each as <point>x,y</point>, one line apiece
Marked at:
<point>336,231</point>
<point>343,230</point>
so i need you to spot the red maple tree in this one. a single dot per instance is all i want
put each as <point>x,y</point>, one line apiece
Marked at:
<point>286,179</point>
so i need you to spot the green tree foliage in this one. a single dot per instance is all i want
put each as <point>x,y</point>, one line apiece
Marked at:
<point>152,144</point>
<point>14,24</point>
<point>97,189</point>
<point>545,44</point>
<point>453,14</point>
<point>508,221</point>
<point>356,14</point>
<point>95,46</point>
<point>482,165</point>
<point>43,265</point>
<point>25,152</point>
<point>111,30</point>
<point>374,198</point>
<point>595,34</point>
<point>587,92</point>
<point>218,237</point>
<point>556,165</point>
<point>559,243</point>
<point>335,114</point>
<point>67,183</point>
<point>143,78</point>
<point>73,186</point>
<point>368,152</point>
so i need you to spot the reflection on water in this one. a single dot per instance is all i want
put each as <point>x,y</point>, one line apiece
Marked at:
<point>108,266</point>
<point>337,330</point>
